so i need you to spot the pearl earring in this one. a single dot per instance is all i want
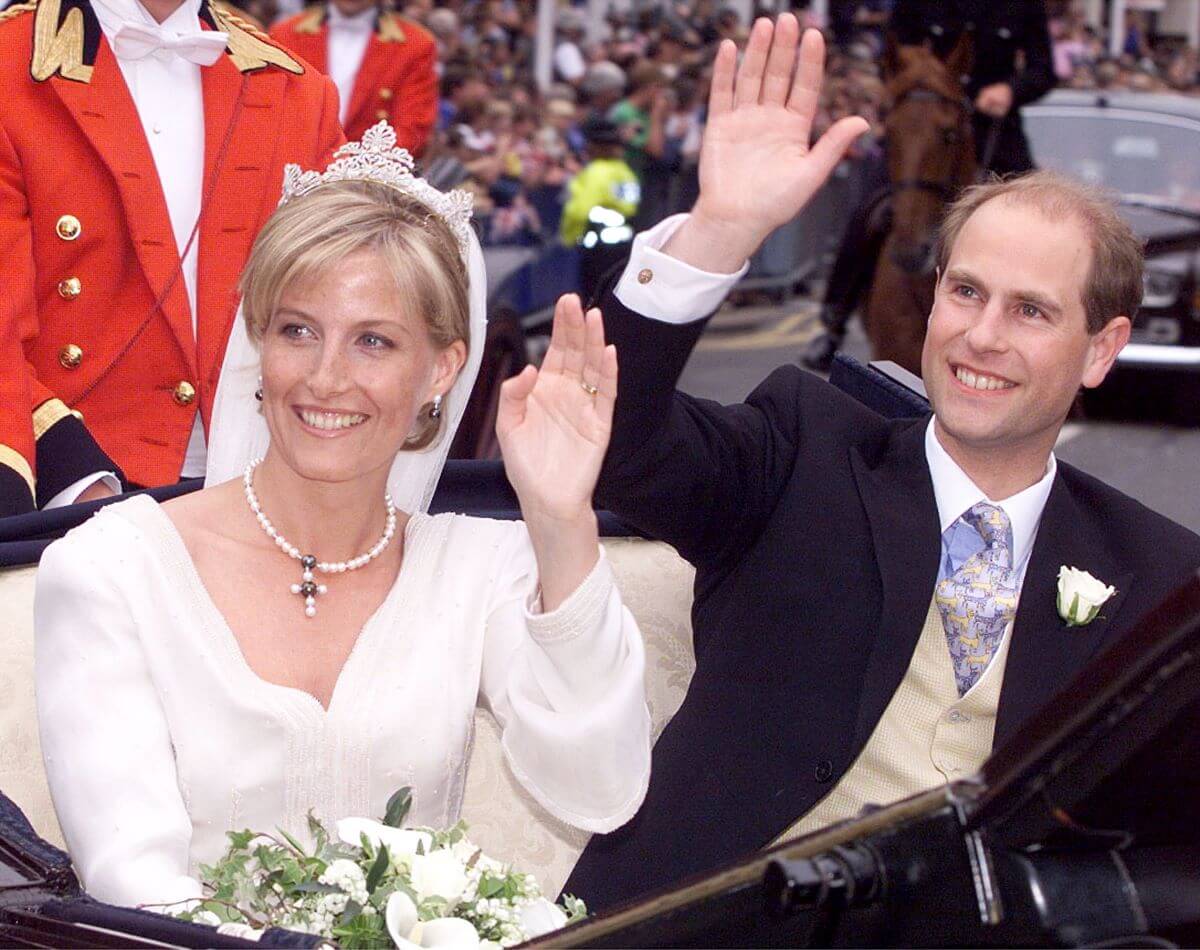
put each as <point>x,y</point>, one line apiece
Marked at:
<point>435,411</point>
<point>258,393</point>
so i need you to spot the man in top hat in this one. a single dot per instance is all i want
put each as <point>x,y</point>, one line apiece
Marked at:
<point>384,66</point>
<point>142,146</point>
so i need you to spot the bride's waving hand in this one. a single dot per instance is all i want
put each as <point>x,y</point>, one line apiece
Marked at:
<point>553,424</point>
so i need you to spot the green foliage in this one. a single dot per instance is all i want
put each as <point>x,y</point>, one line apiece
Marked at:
<point>378,869</point>
<point>398,807</point>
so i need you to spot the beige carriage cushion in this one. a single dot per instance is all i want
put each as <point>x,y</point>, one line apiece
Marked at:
<point>657,586</point>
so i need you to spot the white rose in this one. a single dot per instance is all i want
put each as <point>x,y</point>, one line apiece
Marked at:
<point>1080,596</point>
<point>400,842</point>
<point>541,917</point>
<point>440,874</point>
<point>408,933</point>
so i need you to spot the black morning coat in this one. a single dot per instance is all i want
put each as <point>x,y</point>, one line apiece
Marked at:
<point>815,535</point>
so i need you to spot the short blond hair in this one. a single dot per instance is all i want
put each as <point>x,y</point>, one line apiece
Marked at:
<point>1114,282</point>
<point>315,231</point>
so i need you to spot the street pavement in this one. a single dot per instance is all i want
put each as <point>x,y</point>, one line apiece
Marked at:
<point>1157,464</point>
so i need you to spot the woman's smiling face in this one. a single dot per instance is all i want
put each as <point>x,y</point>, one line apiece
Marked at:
<point>348,366</point>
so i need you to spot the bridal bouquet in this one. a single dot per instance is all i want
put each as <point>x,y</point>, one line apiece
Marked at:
<point>376,884</point>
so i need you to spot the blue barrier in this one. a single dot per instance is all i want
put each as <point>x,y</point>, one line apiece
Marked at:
<point>538,282</point>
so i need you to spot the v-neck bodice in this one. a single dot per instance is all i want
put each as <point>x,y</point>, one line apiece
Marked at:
<point>415,535</point>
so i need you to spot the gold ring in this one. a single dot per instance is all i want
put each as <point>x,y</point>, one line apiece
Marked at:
<point>588,388</point>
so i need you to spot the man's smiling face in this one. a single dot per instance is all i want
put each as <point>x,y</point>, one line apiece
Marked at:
<point>1007,347</point>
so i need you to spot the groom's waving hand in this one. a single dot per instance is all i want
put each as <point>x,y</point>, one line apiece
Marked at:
<point>757,167</point>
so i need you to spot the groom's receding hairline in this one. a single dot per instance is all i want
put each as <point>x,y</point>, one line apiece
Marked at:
<point>1114,282</point>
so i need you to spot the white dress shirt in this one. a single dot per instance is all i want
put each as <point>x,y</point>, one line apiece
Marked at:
<point>167,92</point>
<point>348,38</point>
<point>955,493</point>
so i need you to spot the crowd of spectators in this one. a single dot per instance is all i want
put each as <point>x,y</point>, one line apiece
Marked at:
<point>643,80</point>
<point>646,71</point>
<point>1146,63</point>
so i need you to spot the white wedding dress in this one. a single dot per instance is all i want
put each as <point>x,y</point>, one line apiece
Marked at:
<point>159,738</point>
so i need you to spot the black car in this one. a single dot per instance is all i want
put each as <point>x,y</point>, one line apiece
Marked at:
<point>1146,148</point>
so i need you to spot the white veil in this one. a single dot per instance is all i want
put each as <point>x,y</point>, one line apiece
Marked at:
<point>237,433</point>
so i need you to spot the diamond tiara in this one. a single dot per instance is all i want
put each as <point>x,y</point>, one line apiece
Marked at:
<point>376,158</point>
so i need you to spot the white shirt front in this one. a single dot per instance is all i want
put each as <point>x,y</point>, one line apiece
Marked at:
<point>955,493</point>
<point>158,736</point>
<point>167,91</point>
<point>349,37</point>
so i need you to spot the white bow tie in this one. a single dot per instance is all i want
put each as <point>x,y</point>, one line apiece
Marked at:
<point>139,40</point>
<point>353,25</point>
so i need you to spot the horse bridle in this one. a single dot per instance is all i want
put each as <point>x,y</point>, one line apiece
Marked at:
<point>943,189</point>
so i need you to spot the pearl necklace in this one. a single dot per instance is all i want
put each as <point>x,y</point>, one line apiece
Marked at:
<point>308,587</point>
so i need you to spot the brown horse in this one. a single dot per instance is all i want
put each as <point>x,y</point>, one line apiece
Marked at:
<point>931,156</point>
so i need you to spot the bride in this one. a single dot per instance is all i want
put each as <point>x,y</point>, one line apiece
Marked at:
<point>301,634</point>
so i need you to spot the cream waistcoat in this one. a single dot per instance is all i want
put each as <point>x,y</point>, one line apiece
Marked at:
<point>926,737</point>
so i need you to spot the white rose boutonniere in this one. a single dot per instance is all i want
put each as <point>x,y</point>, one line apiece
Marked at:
<point>1080,596</point>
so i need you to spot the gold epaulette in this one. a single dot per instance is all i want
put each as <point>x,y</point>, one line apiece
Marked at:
<point>58,47</point>
<point>390,28</point>
<point>17,9</point>
<point>249,47</point>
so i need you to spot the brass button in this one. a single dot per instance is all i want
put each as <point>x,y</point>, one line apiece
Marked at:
<point>385,94</point>
<point>645,275</point>
<point>70,288</point>
<point>382,114</point>
<point>184,393</point>
<point>68,227</point>
<point>70,356</point>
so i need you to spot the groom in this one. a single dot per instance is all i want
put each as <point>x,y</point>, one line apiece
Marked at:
<point>875,601</point>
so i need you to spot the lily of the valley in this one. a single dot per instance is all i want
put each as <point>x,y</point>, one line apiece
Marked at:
<point>1080,596</point>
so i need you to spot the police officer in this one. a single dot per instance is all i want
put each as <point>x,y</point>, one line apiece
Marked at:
<point>1006,34</point>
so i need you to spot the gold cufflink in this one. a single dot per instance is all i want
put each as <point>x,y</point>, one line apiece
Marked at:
<point>645,275</point>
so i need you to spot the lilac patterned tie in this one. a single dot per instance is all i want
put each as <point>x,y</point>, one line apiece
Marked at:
<point>979,599</point>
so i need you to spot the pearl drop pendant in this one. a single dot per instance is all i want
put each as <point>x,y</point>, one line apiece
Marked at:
<point>308,588</point>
